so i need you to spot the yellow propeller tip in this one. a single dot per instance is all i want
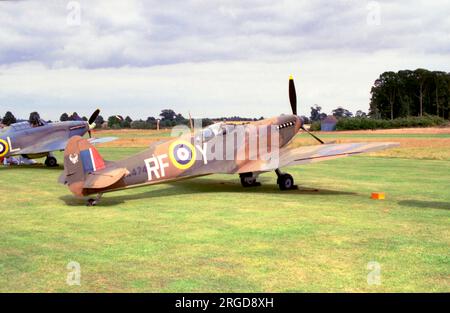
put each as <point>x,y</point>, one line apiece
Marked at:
<point>291,77</point>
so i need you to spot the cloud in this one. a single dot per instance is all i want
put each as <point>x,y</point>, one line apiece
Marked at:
<point>210,57</point>
<point>206,89</point>
<point>135,33</point>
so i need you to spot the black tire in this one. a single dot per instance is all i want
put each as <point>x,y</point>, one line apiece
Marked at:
<point>247,180</point>
<point>51,162</point>
<point>286,182</point>
<point>91,202</point>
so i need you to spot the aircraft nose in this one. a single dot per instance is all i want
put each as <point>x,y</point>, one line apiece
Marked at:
<point>289,123</point>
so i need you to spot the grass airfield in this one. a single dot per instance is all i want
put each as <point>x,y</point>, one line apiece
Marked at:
<point>211,235</point>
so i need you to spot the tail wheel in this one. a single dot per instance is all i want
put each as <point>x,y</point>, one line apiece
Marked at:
<point>91,202</point>
<point>51,162</point>
<point>286,182</point>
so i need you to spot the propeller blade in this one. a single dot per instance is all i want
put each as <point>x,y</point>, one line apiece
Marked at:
<point>315,137</point>
<point>94,117</point>
<point>292,95</point>
<point>191,124</point>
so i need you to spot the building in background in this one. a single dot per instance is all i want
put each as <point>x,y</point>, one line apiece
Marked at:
<point>328,124</point>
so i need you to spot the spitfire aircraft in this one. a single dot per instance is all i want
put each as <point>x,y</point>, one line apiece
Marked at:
<point>219,148</point>
<point>37,139</point>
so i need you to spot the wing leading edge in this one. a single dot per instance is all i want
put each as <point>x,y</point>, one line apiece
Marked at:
<point>59,145</point>
<point>311,154</point>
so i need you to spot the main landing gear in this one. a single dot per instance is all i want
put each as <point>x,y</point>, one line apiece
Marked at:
<point>249,180</point>
<point>51,161</point>
<point>285,181</point>
<point>94,202</point>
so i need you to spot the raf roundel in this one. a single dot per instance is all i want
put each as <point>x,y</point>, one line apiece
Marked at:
<point>182,154</point>
<point>4,148</point>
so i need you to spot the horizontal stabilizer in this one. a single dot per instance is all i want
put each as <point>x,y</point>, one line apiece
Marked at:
<point>104,178</point>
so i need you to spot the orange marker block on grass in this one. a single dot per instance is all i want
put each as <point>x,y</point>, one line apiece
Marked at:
<point>378,195</point>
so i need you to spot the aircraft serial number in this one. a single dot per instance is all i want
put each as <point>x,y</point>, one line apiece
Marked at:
<point>137,171</point>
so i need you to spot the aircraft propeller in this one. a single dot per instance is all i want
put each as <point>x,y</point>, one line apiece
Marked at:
<point>293,101</point>
<point>91,121</point>
<point>191,123</point>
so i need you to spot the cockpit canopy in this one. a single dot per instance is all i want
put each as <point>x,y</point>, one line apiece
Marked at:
<point>21,126</point>
<point>17,127</point>
<point>216,129</point>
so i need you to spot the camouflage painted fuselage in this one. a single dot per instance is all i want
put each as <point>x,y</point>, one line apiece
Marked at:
<point>188,156</point>
<point>207,159</point>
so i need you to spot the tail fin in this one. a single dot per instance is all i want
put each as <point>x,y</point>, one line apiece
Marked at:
<point>85,171</point>
<point>80,159</point>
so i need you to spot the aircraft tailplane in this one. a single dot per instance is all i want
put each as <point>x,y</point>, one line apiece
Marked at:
<point>80,159</point>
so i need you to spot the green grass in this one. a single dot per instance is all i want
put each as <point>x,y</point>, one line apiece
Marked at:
<point>211,235</point>
<point>338,135</point>
<point>133,133</point>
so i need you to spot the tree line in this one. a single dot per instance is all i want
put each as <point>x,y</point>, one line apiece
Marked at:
<point>410,93</point>
<point>166,119</point>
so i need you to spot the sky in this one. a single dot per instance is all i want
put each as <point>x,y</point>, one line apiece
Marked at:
<point>210,58</point>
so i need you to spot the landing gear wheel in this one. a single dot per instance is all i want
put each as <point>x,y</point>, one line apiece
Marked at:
<point>286,182</point>
<point>91,202</point>
<point>51,161</point>
<point>94,202</point>
<point>248,180</point>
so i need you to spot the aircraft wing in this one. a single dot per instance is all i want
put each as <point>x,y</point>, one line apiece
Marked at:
<point>95,141</point>
<point>59,145</point>
<point>312,154</point>
<point>43,147</point>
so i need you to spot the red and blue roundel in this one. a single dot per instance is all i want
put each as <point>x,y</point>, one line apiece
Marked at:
<point>4,148</point>
<point>182,154</point>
